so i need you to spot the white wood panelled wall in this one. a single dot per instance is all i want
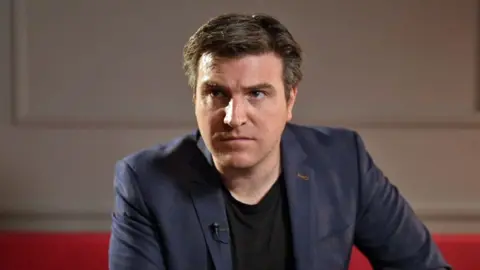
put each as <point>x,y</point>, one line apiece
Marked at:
<point>85,82</point>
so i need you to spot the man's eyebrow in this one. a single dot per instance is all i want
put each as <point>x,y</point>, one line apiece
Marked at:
<point>260,86</point>
<point>214,84</point>
<point>211,84</point>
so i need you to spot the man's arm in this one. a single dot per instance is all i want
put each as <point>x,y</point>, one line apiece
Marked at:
<point>133,243</point>
<point>388,232</point>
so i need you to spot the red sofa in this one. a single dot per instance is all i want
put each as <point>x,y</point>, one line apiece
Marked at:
<point>79,251</point>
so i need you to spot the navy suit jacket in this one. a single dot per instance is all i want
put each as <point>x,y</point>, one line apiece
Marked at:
<point>167,198</point>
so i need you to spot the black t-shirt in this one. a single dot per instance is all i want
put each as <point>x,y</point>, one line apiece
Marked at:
<point>261,235</point>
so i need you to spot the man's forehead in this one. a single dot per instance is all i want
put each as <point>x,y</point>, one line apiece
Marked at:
<point>211,62</point>
<point>208,62</point>
<point>240,73</point>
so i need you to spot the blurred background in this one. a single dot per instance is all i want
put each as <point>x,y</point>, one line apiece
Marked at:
<point>84,83</point>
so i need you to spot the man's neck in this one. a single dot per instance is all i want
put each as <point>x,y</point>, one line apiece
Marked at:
<point>250,185</point>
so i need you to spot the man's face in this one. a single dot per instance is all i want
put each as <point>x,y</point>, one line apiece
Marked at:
<point>241,108</point>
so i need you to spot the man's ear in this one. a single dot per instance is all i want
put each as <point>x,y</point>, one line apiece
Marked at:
<point>291,102</point>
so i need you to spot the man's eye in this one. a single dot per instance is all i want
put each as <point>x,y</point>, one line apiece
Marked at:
<point>217,93</point>
<point>258,94</point>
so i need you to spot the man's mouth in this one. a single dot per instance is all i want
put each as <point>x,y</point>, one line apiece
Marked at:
<point>236,139</point>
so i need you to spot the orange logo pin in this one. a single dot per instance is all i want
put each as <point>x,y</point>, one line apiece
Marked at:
<point>302,176</point>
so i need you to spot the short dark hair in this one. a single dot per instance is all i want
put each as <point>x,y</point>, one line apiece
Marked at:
<point>235,35</point>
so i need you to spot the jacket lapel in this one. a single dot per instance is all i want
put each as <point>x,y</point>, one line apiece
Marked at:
<point>316,212</point>
<point>298,179</point>
<point>206,193</point>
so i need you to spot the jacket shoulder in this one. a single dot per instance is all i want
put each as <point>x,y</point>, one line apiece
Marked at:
<point>324,135</point>
<point>177,151</point>
<point>340,147</point>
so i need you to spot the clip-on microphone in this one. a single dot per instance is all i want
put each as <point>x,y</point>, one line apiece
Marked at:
<point>218,232</point>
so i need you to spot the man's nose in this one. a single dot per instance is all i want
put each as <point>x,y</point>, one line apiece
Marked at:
<point>235,114</point>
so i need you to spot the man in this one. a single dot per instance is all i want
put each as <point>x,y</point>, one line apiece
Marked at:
<point>249,190</point>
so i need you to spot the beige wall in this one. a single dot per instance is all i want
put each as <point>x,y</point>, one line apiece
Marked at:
<point>91,81</point>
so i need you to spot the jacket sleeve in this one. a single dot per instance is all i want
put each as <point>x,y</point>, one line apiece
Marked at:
<point>134,243</point>
<point>388,232</point>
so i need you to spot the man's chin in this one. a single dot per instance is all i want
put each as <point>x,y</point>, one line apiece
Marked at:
<point>235,160</point>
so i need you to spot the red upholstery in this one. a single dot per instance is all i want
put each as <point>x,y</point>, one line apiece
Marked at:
<point>54,251</point>
<point>79,251</point>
